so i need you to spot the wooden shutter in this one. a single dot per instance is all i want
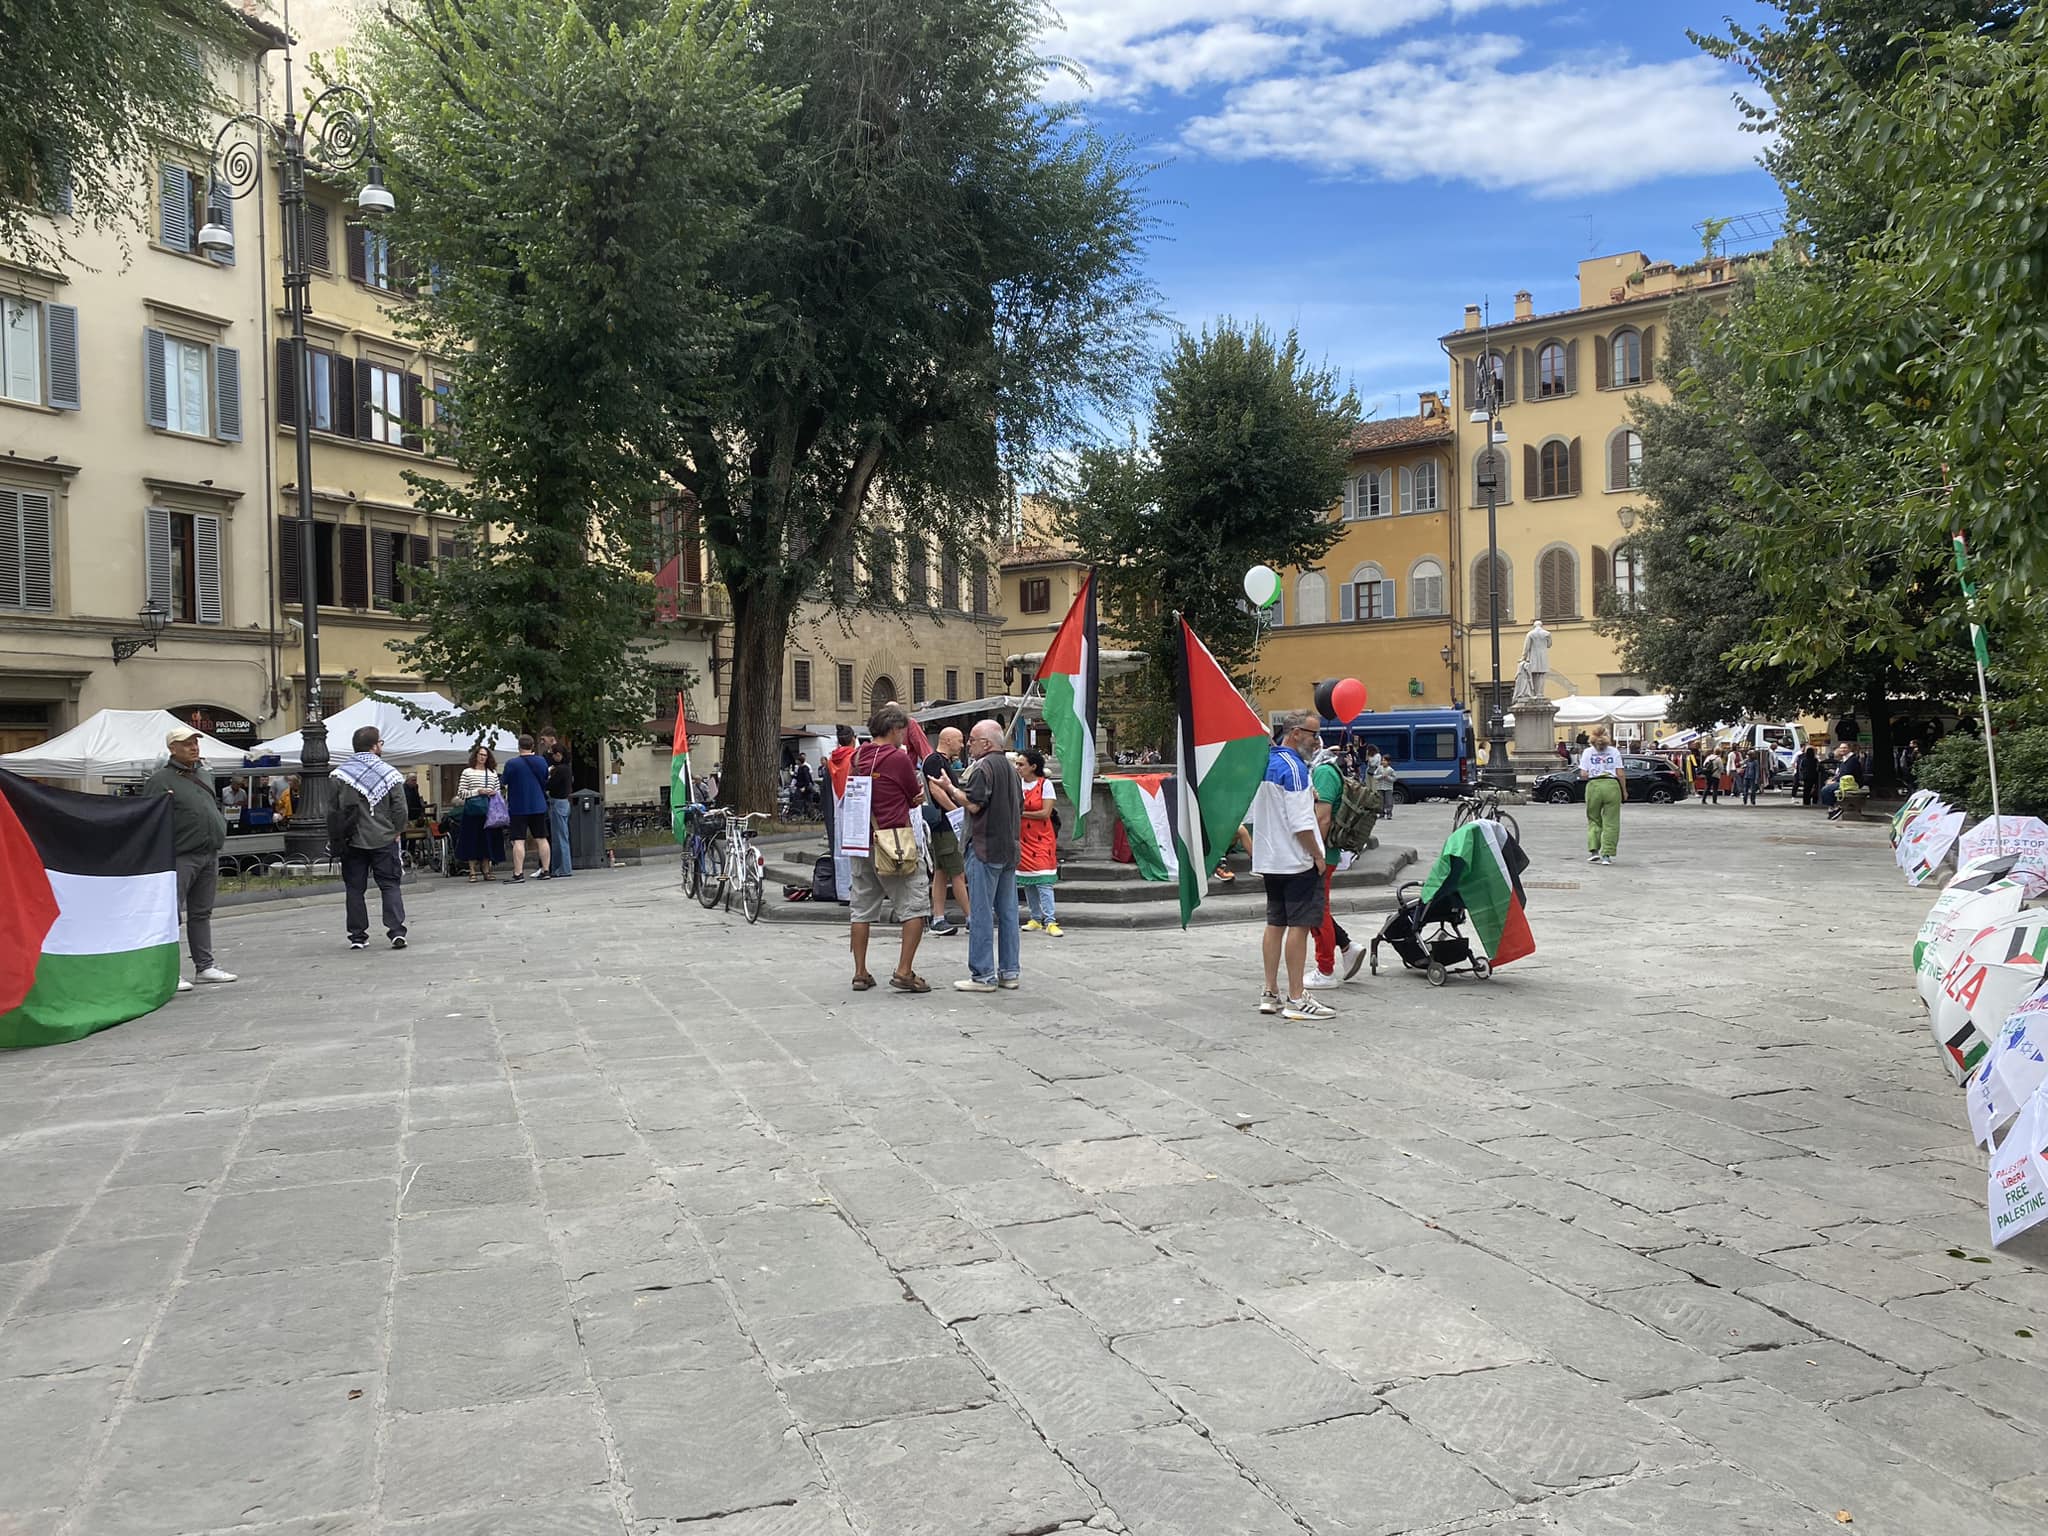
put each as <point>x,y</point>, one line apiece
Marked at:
<point>227,394</point>
<point>1471,384</point>
<point>206,582</point>
<point>318,256</point>
<point>157,554</point>
<point>355,565</point>
<point>380,567</point>
<point>1347,603</point>
<point>1387,597</point>
<point>341,389</point>
<point>422,552</point>
<point>1572,458</point>
<point>1529,381</point>
<point>156,400</point>
<point>1532,474</point>
<point>1603,580</point>
<point>174,207</point>
<point>218,202</point>
<point>1649,354</point>
<point>1603,362</point>
<point>287,386</point>
<point>13,562</point>
<point>364,421</point>
<point>1507,377</point>
<point>415,416</point>
<point>38,550</point>
<point>1481,612</point>
<point>60,332</point>
<point>358,259</point>
<point>1571,366</point>
<point>1617,461</point>
<point>291,563</point>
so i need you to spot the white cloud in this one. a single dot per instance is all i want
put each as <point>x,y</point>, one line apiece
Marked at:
<point>1128,48</point>
<point>1456,111</point>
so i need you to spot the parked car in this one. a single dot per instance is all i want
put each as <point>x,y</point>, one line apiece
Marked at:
<point>1649,778</point>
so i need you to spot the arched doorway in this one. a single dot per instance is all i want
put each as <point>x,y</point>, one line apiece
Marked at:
<point>883,691</point>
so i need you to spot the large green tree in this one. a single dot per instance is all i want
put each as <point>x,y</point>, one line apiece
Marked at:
<point>1244,458</point>
<point>567,175</point>
<point>90,93</point>
<point>944,279</point>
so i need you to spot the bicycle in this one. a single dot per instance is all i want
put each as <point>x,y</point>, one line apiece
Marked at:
<point>730,858</point>
<point>1485,805</point>
<point>696,847</point>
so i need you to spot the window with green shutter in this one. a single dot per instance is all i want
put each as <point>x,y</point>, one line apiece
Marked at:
<point>28,571</point>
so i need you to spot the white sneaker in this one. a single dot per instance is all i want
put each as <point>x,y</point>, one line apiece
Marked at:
<point>215,973</point>
<point>184,985</point>
<point>1592,858</point>
<point>1269,1002</point>
<point>1322,979</point>
<point>1353,956</point>
<point>1605,860</point>
<point>1306,1009</point>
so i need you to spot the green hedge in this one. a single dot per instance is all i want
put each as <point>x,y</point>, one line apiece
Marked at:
<point>1957,771</point>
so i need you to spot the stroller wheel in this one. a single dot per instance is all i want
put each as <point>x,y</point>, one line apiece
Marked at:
<point>1372,957</point>
<point>1436,973</point>
<point>1481,967</point>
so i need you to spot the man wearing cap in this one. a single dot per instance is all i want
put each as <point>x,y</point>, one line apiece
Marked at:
<point>198,829</point>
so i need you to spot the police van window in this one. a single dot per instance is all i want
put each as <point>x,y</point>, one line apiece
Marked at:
<point>1436,746</point>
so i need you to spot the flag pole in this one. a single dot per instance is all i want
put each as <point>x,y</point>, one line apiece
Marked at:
<point>1980,649</point>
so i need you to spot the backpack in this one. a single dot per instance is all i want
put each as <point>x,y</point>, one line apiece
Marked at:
<point>1352,819</point>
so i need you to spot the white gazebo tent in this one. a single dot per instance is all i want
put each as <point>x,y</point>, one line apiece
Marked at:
<point>408,743</point>
<point>116,744</point>
<point>1630,715</point>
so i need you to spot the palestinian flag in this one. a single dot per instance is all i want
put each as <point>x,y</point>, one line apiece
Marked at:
<point>1483,866</point>
<point>1222,756</point>
<point>1069,679</point>
<point>1145,803</point>
<point>679,773</point>
<point>88,909</point>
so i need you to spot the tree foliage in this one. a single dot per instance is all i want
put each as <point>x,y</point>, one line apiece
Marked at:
<point>90,94</point>
<point>567,176</point>
<point>1244,458</point>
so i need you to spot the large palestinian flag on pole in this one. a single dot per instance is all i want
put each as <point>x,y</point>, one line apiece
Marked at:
<point>88,908</point>
<point>678,773</point>
<point>1222,757</point>
<point>1483,865</point>
<point>1069,678</point>
<point>1145,805</point>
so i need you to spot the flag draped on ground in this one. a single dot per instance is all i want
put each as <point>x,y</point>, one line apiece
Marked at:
<point>1145,805</point>
<point>679,773</point>
<point>1069,676</point>
<point>88,881</point>
<point>1222,756</point>
<point>1484,866</point>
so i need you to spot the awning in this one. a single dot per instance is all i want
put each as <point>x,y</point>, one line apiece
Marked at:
<point>1613,709</point>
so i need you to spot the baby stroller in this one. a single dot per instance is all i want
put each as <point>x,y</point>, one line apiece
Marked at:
<point>1429,936</point>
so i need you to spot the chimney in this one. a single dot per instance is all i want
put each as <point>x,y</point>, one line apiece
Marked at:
<point>1431,405</point>
<point>1471,317</point>
<point>1525,305</point>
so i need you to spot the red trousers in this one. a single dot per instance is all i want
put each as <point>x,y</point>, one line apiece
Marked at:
<point>1330,937</point>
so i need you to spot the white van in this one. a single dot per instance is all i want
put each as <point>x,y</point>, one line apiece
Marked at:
<point>1783,740</point>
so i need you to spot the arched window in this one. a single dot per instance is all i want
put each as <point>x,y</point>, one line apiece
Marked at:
<point>1552,376</point>
<point>1422,487</point>
<point>1557,584</point>
<point>1369,495</point>
<point>1312,599</point>
<point>1491,464</point>
<point>1482,612</point>
<point>1625,348</point>
<point>1368,595</point>
<point>1554,469</point>
<point>1426,588</point>
<point>1625,460</point>
<point>1628,575</point>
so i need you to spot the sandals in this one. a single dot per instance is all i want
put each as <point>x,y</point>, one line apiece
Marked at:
<point>1225,875</point>
<point>911,983</point>
<point>863,983</point>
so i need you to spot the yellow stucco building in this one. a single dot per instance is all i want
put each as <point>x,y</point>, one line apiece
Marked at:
<point>1567,468</point>
<point>1378,606</point>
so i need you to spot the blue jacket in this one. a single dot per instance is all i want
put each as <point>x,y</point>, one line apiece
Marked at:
<point>526,785</point>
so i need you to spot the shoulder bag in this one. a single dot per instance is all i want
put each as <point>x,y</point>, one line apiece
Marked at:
<point>894,849</point>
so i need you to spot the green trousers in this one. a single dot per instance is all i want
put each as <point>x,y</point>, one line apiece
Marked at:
<point>1603,816</point>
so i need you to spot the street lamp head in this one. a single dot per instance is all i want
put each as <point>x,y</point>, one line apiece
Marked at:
<point>155,619</point>
<point>375,197</point>
<point>215,238</point>
<point>1478,418</point>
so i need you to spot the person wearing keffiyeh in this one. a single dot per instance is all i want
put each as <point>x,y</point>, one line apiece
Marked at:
<point>369,819</point>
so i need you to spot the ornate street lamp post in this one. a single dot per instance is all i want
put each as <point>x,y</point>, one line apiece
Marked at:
<point>336,135</point>
<point>1499,772</point>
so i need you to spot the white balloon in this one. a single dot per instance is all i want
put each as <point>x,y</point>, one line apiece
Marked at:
<point>1262,585</point>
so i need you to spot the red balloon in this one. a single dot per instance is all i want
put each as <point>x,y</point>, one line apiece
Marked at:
<point>1348,698</point>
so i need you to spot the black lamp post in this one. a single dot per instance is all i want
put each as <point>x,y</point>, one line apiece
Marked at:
<point>343,136</point>
<point>1499,772</point>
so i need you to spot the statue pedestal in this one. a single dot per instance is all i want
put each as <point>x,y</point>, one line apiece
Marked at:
<point>1535,743</point>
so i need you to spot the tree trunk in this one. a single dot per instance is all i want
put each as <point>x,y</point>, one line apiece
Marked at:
<point>753,715</point>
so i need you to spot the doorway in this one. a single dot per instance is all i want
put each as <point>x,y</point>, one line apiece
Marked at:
<point>883,691</point>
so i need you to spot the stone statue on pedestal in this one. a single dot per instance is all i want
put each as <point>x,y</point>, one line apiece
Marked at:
<point>1534,672</point>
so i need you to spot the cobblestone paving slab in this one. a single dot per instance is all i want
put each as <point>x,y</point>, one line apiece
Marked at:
<point>658,1228</point>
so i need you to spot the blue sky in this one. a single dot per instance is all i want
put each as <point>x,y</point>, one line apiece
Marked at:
<point>1361,170</point>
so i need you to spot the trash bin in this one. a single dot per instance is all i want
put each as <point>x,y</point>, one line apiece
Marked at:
<point>586,829</point>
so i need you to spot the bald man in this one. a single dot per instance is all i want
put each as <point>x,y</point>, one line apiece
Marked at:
<point>995,816</point>
<point>943,796</point>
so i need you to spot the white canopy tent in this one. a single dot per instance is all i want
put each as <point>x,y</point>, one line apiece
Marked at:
<point>116,744</point>
<point>1613,709</point>
<point>408,743</point>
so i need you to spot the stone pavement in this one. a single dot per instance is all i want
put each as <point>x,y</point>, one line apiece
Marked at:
<point>597,1213</point>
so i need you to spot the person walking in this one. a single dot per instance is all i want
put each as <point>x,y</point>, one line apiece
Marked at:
<point>1333,944</point>
<point>1606,777</point>
<point>1038,850</point>
<point>838,768</point>
<point>1806,775</point>
<point>1749,777</point>
<point>526,798</point>
<point>370,811</point>
<point>1287,853</point>
<point>476,841</point>
<point>1710,778</point>
<point>198,831</point>
<point>561,785</point>
<point>945,818</point>
<point>1383,776</point>
<point>895,794</point>
<point>806,789</point>
<point>995,806</point>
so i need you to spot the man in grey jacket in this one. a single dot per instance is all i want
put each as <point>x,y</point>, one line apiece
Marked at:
<point>198,829</point>
<point>370,810</point>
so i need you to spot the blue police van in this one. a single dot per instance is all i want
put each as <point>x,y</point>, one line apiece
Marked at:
<point>1432,750</point>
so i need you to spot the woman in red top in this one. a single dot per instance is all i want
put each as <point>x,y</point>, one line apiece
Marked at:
<point>1038,856</point>
<point>897,793</point>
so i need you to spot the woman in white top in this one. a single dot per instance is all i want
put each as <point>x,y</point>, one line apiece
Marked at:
<point>476,843</point>
<point>1606,779</point>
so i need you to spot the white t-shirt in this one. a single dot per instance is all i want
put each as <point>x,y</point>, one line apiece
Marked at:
<point>1600,762</point>
<point>1278,812</point>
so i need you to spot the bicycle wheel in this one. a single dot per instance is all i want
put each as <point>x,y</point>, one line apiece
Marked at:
<point>710,876</point>
<point>689,870</point>
<point>1508,822</point>
<point>751,894</point>
<point>1466,812</point>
